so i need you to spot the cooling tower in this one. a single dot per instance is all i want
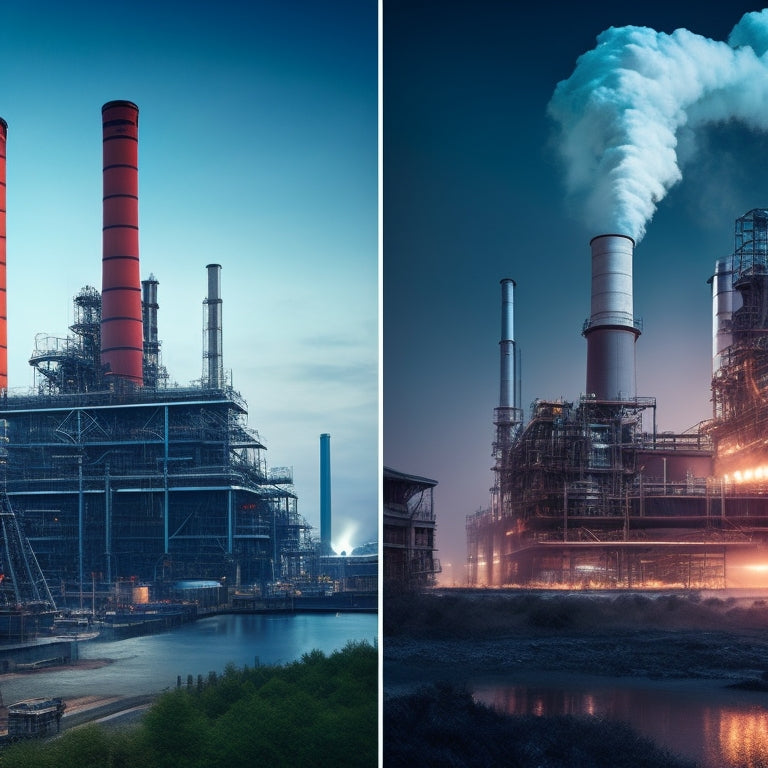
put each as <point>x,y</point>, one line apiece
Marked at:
<point>121,324</point>
<point>611,331</point>
<point>325,494</point>
<point>3,295</point>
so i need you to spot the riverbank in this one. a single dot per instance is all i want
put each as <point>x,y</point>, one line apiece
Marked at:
<point>703,647</point>
<point>445,635</point>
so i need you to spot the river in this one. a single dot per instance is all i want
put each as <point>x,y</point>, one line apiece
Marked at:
<point>151,664</point>
<point>715,726</point>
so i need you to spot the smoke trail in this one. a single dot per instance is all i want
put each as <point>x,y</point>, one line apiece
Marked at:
<point>622,110</point>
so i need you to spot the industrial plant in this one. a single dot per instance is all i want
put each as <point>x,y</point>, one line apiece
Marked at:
<point>118,476</point>
<point>590,494</point>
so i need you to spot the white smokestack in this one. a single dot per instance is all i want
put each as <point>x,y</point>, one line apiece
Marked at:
<point>508,393</point>
<point>611,330</point>
<point>628,101</point>
<point>722,311</point>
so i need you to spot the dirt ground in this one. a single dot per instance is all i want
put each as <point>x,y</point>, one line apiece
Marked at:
<point>79,709</point>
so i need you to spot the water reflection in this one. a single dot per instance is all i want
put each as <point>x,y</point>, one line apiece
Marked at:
<point>719,728</point>
<point>744,738</point>
<point>153,663</point>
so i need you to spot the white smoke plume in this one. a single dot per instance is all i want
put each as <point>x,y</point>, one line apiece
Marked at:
<point>623,109</point>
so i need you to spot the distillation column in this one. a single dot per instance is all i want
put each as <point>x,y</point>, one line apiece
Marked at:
<point>611,331</point>
<point>122,343</point>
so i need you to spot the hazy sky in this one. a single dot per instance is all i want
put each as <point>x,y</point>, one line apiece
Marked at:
<point>475,191</point>
<point>258,150</point>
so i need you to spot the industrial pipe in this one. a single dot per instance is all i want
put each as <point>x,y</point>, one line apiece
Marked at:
<point>212,352</point>
<point>3,293</point>
<point>508,378</point>
<point>722,311</point>
<point>611,331</point>
<point>325,494</point>
<point>121,322</point>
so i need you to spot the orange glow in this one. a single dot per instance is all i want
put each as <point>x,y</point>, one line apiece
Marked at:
<point>751,474</point>
<point>744,738</point>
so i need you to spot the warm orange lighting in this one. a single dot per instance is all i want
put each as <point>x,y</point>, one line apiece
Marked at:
<point>748,475</point>
<point>744,737</point>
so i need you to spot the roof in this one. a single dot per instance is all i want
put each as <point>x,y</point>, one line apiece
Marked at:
<point>393,474</point>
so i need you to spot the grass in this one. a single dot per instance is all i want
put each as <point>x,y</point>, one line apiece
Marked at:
<point>443,726</point>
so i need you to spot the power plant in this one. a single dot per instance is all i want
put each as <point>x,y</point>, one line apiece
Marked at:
<point>590,494</point>
<point>115,474</point>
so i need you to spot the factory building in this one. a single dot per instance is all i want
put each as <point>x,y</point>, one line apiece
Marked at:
<point>409,523</point>
<point>590,494</point>
<point>115,474</point>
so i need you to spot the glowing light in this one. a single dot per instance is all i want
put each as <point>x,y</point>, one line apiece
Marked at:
<point>343,543</point>
<point>751,474</point>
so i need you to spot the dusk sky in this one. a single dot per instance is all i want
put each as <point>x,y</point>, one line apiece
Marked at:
<point>475,190</point>
<point>258,150</point>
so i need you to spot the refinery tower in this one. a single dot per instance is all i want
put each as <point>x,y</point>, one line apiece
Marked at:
<point>589,494</point>
<point>117,475</point>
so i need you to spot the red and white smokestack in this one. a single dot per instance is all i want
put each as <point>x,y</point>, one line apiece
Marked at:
<point>508,395</point>
<point>122,342</point>
<point>3,293</point>
<point>611,330</point>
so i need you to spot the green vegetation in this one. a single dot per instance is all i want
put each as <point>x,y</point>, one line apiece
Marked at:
<point>473,615</point>
<point>319,711</point>
<point>443,726</point>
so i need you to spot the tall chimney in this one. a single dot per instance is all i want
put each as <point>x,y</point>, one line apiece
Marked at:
<point>149,307</point>
<point>509,395</point>
<point>611,331</point>
<point>722,311</point>
<point>325,494</point>
<point>3,294</point>
<point>212,339</point>
<point>121,324</point>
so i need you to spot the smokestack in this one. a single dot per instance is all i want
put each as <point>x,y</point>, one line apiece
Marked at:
<point>3,294</point>
<point>122,345</point>
<point>509,395</point>
<point>611,331</point>
<point>325,494</point>
<point>212,338</point>
<point>149,307</point>
<point>722,311</point>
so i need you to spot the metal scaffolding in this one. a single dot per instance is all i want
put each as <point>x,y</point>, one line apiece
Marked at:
<point>583,496</point>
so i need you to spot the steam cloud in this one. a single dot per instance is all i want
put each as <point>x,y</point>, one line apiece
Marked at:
<point>628,101</point>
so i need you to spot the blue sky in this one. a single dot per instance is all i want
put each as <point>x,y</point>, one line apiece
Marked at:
<point>475,191</point>
<point>258,150</point>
